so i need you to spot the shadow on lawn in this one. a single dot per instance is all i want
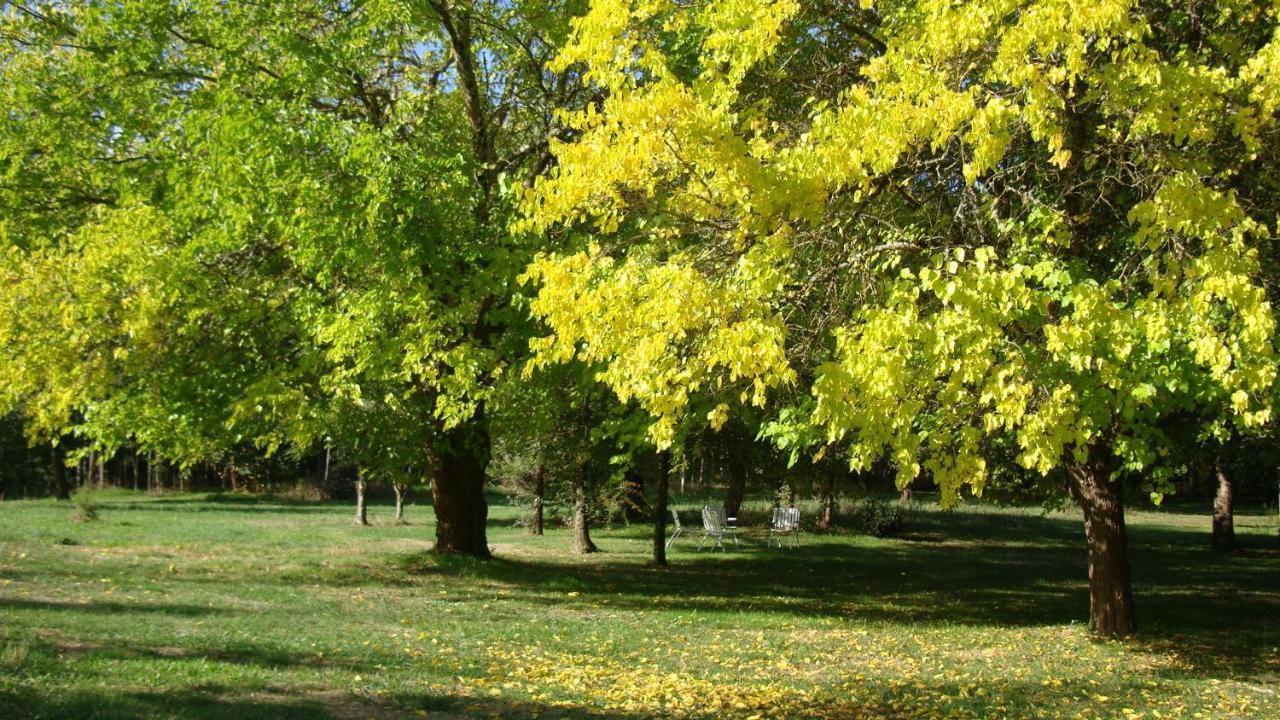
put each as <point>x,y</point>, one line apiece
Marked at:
<point>110,608</point>
<point>899,700</point>
<point>1219,612</point>
<point>197,704</point>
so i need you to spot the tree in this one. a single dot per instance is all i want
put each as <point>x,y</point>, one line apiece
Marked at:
<point>1040,223</point>
<point>264,214</point>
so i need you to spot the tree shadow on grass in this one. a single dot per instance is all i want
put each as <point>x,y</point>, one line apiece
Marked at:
<point>110,608</point>
<point>196,704</point>
<point>1220,613</point>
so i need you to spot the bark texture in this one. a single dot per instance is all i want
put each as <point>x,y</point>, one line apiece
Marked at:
<point>457,491</point>
<point>737,471</point>
<point>1110,583</point>
<point>400,490</point>
<point>536,524</point>
<point>61,488</point>
<point>582,543</point>
<point>362,516</point>
<point>660,509</point>
<point>1224,531</point>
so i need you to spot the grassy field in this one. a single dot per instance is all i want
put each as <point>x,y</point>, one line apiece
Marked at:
<point>182,606</point>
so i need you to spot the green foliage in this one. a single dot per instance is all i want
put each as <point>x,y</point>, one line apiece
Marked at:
<point>876,517</point>
<point>1043,228</point>
<point>269,224</point>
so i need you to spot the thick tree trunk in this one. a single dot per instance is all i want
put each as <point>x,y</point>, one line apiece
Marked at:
<point>1224,531</point>
<point>399,489</point>
<point>539,498</point>
<point>904,497</point>
<point>61,489</point>
<point>660,509</point>
<point>457,491</point>
<point>362,515</point>
<point>1110,585</point>
<point>737,487</point>
<point>581,520</point>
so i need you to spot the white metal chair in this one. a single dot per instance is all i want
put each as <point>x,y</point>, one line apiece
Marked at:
<point>675,514</point>
<point>786,521</point>
<point>715,526</point>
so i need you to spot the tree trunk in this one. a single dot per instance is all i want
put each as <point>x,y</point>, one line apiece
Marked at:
<point>539,495</point>
<point>61,490</point>
<point>737,487</point>
<point>904,497</point>
<point>457,490</point>
<point>660,509</point>
<point>581,521</point>
<point>399,489</point>
<point>1224,531</point>
<point>828,516</point>
<point>362,516</point>
<point>1110,585</point>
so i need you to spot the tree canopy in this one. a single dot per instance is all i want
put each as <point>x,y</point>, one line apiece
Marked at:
<point>1044,224</point>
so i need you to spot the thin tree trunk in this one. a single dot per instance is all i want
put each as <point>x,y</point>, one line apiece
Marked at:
<point>539,498</point>
<point>660,509</point>
<point>457,490</point>
<point>1224,531</point>
<point>581,520</point>
<point>827,518</point>
<point>135,469</point>
<point>61,490</point>
<point>1110,584</point>
<point>362,516</point>
<point>399,489</point>
<point>737,487</point>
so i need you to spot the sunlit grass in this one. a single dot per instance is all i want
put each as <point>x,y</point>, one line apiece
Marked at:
<point>186,607</point>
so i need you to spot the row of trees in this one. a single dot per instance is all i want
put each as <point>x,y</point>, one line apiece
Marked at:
<point>1014,245</point>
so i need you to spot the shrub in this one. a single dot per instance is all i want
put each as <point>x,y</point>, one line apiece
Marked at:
<point>874,517</point>
<point>86,509</point>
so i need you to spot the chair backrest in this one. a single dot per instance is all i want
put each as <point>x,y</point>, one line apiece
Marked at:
<point>675,514</point>
<point>785,518</point>
<point>713,518</point>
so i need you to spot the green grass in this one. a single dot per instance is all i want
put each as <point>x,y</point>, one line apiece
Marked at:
<point>182,606</point>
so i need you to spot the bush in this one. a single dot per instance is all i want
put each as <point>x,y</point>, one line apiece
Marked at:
<point>86,509</point>
<point>874,517</point>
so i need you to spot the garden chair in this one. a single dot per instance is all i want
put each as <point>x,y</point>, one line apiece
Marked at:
<point>675,514</point>
<point>786,521</point>
<point>715,526</point>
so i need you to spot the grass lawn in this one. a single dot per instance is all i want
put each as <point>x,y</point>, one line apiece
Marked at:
<point>182,606</point>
